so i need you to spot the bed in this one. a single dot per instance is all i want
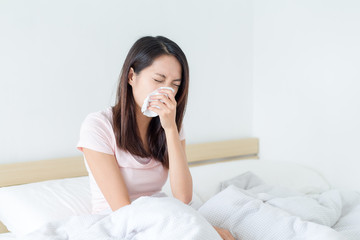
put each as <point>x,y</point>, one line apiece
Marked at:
<point>227,175</point>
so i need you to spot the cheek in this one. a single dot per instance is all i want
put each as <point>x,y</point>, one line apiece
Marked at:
<point>146,86</point>
<point>140,96</point>
<point>141,90</point>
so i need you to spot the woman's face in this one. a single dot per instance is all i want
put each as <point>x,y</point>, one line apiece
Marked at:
<point>165,71</point>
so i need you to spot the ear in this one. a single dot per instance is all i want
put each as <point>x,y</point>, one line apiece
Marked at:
<point>131,76</point>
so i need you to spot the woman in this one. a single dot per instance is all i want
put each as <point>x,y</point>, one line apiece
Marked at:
<point>129,154</point>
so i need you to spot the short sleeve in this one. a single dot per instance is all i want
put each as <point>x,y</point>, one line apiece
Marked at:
<point>96,134</point>
<point>182,133</point>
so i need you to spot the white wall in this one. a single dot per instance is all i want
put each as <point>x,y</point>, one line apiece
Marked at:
<point>306,85</point>
<point>60,60</point>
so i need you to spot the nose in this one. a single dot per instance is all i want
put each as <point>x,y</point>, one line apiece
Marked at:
<point>170,85</point>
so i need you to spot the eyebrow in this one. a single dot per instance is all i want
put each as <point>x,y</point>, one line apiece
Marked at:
<point>163,76</point>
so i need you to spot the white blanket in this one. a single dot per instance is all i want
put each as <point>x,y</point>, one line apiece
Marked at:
<point>146,218</point>
<point>252,209</point>
<point>247,206</point>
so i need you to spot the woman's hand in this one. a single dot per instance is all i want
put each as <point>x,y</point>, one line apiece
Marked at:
<point>224,234</point>
<point>167,111</point>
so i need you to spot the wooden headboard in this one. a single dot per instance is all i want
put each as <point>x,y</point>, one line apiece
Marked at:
<point>197,154</point>
<point>203,153</point>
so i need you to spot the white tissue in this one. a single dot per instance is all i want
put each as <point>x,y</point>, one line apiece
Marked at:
<point>144,108</point>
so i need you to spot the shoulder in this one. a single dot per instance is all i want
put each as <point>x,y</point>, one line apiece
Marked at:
<point>96,132</point>
<point>101,118</point>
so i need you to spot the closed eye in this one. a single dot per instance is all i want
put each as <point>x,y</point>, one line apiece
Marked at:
<point>160,81</point>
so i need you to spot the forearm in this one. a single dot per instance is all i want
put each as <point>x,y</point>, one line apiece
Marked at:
<point>180,177</point>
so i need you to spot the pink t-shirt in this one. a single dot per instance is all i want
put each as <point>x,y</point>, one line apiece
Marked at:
<point>143,176</point>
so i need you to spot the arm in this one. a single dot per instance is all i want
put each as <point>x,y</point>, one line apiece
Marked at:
<point>107,175</point>
<point>179,174</point>
<point>180,177</point>
<point>224,234</point>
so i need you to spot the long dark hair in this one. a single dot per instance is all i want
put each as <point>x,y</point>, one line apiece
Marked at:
<point>141,55</point>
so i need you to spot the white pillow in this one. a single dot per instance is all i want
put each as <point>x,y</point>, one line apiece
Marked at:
<point>207,179</point>
<point>24,208</point>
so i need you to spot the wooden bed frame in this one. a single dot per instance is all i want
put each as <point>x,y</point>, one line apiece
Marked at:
<point>197,154</point>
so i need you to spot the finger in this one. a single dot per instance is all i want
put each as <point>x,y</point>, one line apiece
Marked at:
<point>156,104</point>
<point>163,98</point>
<point>229,236</point>
<point>169,93</point>
<point>225,234</point>
<point>160,96</point>
<point>155,109</point>
<point>162,106</point>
